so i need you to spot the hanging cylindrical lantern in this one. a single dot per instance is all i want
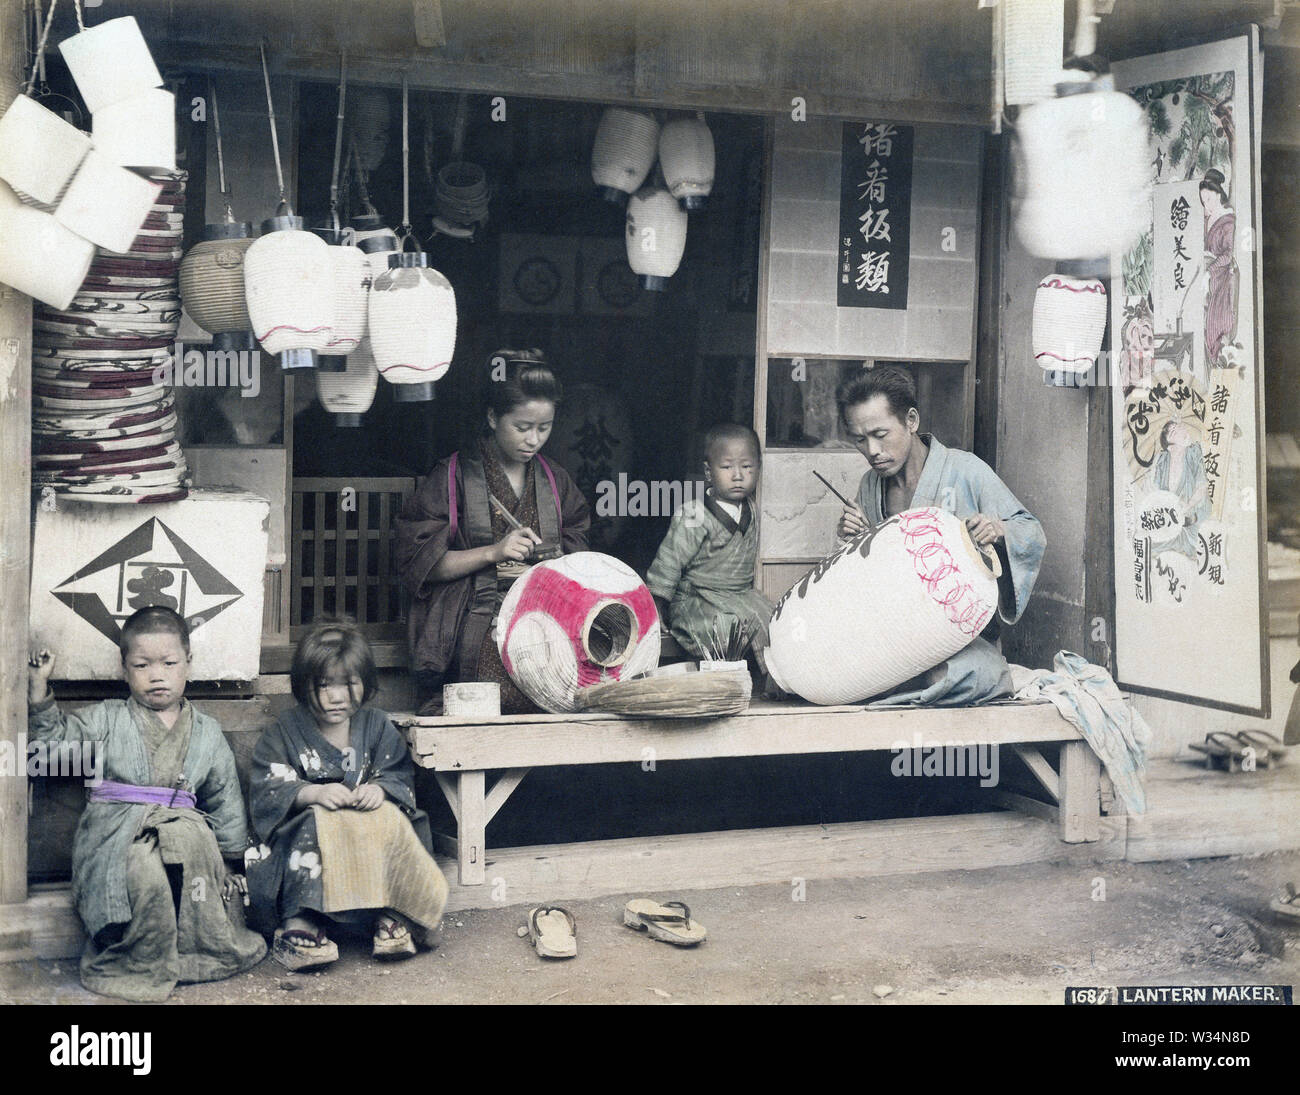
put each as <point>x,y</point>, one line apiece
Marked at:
<point>352,277</point>
<point>892,602</point>
<point>39,151</point>
<point>140,131</point>
<point>212,285</point>
<point>289,286</point>
<point>412,325</point>
<point>656,236</point>
<point>1083,191</point>
<point>40,257</point>
<point>687,159</point>
<point>110,62</point>
<point>627,142</point>
<point>106,204</point>
<point>1033,42</point>
<point>348,394</point>
<point>1069,322</point>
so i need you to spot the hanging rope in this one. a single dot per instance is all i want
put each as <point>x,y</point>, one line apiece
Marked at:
<point>406,232</point>
<point>40,49</point>
<point>221,158</point>
<point>338,138</point>
<point>275,140</point>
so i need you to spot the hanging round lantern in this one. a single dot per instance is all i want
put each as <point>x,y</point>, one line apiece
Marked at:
<point>351,273</point>
<point>289,286</point>
<point>890,603</point>
<point>656,236</point>
<point>687,158</point>
<point>110,62</point>
<point>1069,322</point>
<point>212,285</point>
<point>348,394</point>
<point>1084,184</point>
<point>371,226</point>
<point>627,142</point>
<point>412,325</point>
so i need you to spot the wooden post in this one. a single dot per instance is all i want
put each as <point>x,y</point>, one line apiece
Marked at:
<point>15,521</point>
<point>472,831</point>
<point>1080,793</point>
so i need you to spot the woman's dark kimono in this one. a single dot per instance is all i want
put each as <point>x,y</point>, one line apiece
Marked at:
<point>290,872</point>
<point>450,626</point>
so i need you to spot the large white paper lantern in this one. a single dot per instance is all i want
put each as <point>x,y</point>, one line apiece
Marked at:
<point>289,286</point>
<point>656,236</point>
<point>887,605</point>
<point>576,621</point>
<point>412,325</point>
<point>687,158</point>
<point>140,131</point>
<point>105,203</point>
<point>39,151</point>
<point>352,277</point>
<point>1033,48</point>
<point>348,394</point>
<point>39,256</point>
<point>1083,190</point>
<point>1069,322</point>
<point>212,285</point>
<point>627,142</point>
<point>110,62</point>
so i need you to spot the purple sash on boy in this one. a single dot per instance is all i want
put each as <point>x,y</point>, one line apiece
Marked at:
<point>111,791</point>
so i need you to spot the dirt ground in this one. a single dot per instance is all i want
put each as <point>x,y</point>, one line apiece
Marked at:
<point>1013,934</point>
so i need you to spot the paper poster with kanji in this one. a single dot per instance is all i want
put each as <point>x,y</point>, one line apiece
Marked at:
<point>874,244</point>
<point>1188,390</point>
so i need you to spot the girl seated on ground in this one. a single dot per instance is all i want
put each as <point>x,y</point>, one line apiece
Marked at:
<point>333,802</point>
<point>148,879</point>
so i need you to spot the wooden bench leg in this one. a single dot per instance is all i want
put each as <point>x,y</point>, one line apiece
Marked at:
<point>1080,793</point>
<point>472,831</point>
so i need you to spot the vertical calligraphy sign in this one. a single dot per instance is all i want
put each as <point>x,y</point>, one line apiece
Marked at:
<point>1190,622</point>
<point>874,244</point>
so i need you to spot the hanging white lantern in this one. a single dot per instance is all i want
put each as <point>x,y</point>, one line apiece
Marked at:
<point>140,131</point>
<point>105,203</point>
<point>1084,187</point>
<point>1069,322</point>
<point>289,286</point>
<point>1033,46</point>
<point>40,257</point>
<point>352,277</point>
<point>890,603</point>
<point>412,325</point>
<point>627,142</point>
<point>110,62</point>
<point>348,394</point>
<point>212,285</point>
<point>687,158</point>
<point>371,226</point>
<point>656,236</point>
<point>39,151</point>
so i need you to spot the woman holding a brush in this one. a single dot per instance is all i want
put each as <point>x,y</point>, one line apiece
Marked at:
<point>910,469</point>
<point>476,522</point>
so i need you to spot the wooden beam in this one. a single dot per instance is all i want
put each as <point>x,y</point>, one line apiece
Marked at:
<point>449,792</point>
<point>765,729</point>
<point>1080,796</point>
<point>697,861</point>
<point>1034,807</point>
<point>502,790</point>
<point>15,520</point>
<point>1041,770</point>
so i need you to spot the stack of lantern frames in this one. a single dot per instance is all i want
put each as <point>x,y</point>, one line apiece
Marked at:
<point>92,230</point>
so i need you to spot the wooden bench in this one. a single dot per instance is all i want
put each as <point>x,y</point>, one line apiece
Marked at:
<point>460,752</point>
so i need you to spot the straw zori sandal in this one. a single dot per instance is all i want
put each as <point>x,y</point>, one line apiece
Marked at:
<point>1288,904</point>
<point>660,922</point>
<point>1221,746</point>
<point>298,949</point>
<point>392,938</point>
<point>553,931</point>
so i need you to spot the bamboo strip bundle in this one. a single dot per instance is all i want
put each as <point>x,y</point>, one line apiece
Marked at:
<point>679,696</point>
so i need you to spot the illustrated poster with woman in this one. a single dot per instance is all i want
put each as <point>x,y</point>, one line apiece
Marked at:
<point>1185,322</point>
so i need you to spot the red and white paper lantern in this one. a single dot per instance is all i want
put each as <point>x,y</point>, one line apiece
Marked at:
<point>1069,322</point>
<point>412,325</point>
